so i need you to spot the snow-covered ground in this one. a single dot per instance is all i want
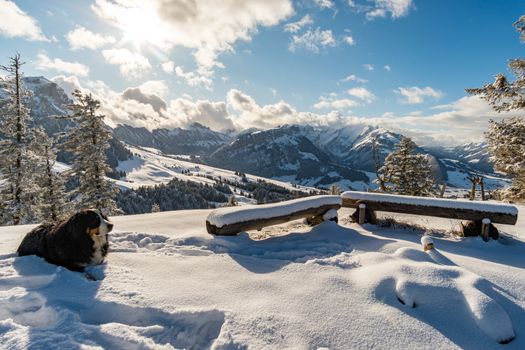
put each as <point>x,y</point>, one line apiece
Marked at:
<point>168,284</point>
<point>150,167</point>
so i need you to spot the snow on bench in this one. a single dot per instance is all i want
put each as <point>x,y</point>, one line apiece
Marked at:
<point>232,220</point>
<point>438,207</point>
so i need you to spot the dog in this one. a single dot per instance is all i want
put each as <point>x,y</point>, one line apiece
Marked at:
<point>75,243</point>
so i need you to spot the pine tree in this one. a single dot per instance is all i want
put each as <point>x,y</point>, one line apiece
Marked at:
<point>87,141</point>
<point>53,206</point>
<point>407,172</point>
<point>506,139</point>
<point>18,166</point>
<point>155,208</point>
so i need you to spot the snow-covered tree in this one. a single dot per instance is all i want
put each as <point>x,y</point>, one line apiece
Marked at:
<point>406,171</point>
<point>53,205</point>
<point>18,162</point>
<point>87,141</point>
<point>506,139</point>
<point>155,208</point>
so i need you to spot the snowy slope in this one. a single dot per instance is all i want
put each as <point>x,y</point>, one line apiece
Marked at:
<point>167,284</point>
<point>149,166</point>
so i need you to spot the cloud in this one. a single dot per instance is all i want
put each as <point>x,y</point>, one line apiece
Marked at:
<point>82,38</point>
<point>353,77</point>
<point>396,8</point>
<point>368,67</point>
<point>387,68</point>
<point>68,84</point>
<point>294,27</point>
<point>43,62</point>
<point>324,4</point>
<point>168,66</point>
<point>335,104</point>
<point>131,64</point>
<point>416,95</point>
<point>313,40</point>
<point>362,93</point>
<point>16,23</point>
<point>349,40</point>
<point>247,113</point>
<point>212,114</point>
<point>195,79</point>
<point>208,27</point>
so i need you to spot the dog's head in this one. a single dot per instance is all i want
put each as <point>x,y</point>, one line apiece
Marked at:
<point>90,221</point>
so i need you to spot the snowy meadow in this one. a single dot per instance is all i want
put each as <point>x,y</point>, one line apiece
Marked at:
<point>167,284</point>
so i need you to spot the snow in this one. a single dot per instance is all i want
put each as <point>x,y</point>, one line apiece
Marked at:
<point>150,167</point>
<point>168,284</point>
<point>491,207</point>
<point>227,216</point>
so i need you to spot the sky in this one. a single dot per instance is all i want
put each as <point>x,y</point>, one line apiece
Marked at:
<point>237,64</point>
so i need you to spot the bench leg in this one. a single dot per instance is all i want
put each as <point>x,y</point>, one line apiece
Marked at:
<point>479,228</point>
<point>362,214</point>
<point>485,226</point>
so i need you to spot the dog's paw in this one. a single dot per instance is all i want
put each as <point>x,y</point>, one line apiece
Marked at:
<point>95,273</point>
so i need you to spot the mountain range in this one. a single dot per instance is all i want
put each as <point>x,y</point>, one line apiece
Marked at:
<point>302,154</point>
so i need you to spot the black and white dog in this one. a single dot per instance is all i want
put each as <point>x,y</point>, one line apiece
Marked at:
<point>80,241</point>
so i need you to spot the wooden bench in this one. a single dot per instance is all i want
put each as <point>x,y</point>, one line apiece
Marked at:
<point>480,215</point>
<point>233,220</point>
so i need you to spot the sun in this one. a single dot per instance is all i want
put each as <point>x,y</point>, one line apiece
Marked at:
<point>141,25</point>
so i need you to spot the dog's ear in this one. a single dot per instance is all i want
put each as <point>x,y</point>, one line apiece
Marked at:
<point>83,221</point>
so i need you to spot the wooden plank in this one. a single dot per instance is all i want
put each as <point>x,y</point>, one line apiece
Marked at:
<point>257,224</point>
<point>442,212</point>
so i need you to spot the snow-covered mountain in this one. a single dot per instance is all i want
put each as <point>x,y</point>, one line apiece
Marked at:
<point>472,155</point>
<point>285,153</point>
<point>313,156</point>
<point>46,101</point>
<point>197,139</point>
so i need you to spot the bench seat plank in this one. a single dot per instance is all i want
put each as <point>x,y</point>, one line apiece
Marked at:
<point>232,220</point>
<point>446,208</point>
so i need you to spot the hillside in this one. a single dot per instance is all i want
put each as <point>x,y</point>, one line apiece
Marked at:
<point>168,284</point>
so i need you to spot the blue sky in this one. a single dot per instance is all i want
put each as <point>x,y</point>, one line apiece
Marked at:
<point>260,63</point>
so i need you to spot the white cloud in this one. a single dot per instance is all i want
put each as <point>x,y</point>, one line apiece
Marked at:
<point>362,93</point>
<point>387,68</point>
<point>294,27</point>
<point>82,38</point>
<point>324,4</point>
<point>349,40</point>
<point>68,84</point>
<point>368,67</point>
<point>16,23</point>
<point>131,64</point>
<point>313,40</point>
<point>247,113</point>
<point>155,87</point>
<point>212,114</point>
<point>342,104</point>
<point>274,92</point>
<point>43,62</point>
<point>353,77</point>
<point>208,27</point>
<point>396,8</point>
<point>416,95</point>
<point>194,79</point>
<point>168,66</point>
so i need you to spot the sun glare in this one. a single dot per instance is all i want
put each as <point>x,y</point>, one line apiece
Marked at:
<point>141,25</point>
